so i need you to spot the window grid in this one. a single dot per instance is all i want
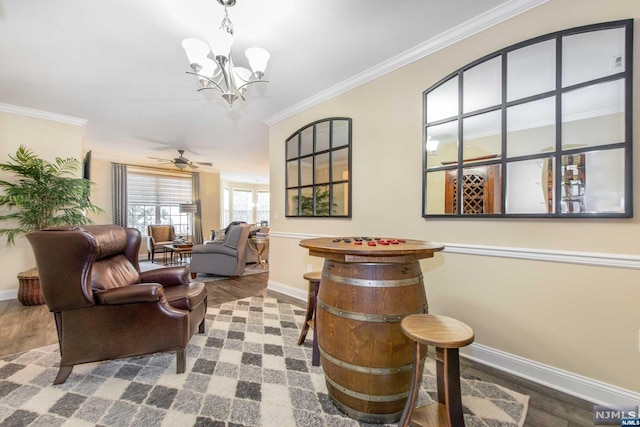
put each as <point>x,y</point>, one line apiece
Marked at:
<point>307,194</point>
<point>559,153</point>
<point>242,205</point>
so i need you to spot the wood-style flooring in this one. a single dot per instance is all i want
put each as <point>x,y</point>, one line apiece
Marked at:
<point>24,328</point>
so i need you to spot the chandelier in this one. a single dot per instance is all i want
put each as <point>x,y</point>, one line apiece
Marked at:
<point>219,73</point>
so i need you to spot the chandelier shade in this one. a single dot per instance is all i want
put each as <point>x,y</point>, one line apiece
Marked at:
<point>219,72</point>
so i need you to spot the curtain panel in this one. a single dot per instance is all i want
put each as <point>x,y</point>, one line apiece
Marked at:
<point>119,193</point>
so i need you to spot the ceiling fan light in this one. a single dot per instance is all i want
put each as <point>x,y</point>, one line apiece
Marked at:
<point>258,59</point>
<point>196,50</point>
<point>180,165</point>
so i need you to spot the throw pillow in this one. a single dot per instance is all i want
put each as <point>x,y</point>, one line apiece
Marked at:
<point>219,235</point>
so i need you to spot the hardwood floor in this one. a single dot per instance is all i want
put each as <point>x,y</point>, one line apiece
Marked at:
<point>24,328</point>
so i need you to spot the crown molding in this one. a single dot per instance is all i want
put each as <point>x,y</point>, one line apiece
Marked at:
<point>39,114</point>
<point>467,29</point>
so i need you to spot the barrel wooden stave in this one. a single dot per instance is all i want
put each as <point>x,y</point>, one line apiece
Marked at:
<point>378,296</point>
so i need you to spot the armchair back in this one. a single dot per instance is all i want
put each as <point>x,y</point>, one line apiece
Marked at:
<point>95,257</point>
<point>162,233</point>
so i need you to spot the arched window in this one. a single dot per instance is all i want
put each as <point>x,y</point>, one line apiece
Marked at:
<point>539,129</point>
<point>318,177</point>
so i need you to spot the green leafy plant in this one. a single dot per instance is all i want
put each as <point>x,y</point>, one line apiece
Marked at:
<point>322,203</point>
<point>43,194</point>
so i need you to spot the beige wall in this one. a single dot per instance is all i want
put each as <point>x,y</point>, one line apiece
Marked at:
<point>582,319</point>
<point>210,196</point>
<point>48,139</point>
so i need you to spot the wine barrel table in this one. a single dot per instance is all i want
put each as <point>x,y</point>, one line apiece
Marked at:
<point>368,286</point>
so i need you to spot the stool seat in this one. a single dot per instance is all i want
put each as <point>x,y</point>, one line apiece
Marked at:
<point>447,335</point>
<point>436,330</point>
<point>313,277</point>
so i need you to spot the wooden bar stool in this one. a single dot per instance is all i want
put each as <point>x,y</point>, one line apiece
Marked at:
<point>314,285</point>
<point>447,335</point>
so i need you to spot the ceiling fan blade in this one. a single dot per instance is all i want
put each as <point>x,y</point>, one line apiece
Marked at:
<point>204,163</point>
<point>192,166</point>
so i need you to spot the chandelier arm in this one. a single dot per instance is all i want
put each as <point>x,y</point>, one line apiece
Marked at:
<point>239,88</point>
<point>209,80</point>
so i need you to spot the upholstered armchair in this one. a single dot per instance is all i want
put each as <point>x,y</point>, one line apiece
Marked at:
<point>222,257</point>
<point>251,255</point>
<point>103,306</point>
<point>159,235</point>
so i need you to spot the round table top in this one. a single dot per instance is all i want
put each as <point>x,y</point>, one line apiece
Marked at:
<point>354,249</point>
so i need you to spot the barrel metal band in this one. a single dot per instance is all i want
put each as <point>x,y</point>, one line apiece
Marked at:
<point>367,369</point>
<point>368,397</point>
<point>390,418</point>
<point>380,318</point>
<point>373,283</point>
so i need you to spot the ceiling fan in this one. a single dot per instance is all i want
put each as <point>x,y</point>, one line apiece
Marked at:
<point>182,162</point>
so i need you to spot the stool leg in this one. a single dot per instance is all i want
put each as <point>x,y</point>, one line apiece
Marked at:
<point>311,305</point>
<point>414,388</point>
<point>448,379</point>
<point>315,358</point>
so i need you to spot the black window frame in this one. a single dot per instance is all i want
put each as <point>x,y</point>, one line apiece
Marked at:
<point>503,160</point>
<point>315,185</point>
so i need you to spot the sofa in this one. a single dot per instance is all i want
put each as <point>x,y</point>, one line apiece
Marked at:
<point>103,305</point>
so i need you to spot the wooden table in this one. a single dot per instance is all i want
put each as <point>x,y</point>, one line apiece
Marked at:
<point>259,245</point>
<point>368,286</point>
<point>183,251</point>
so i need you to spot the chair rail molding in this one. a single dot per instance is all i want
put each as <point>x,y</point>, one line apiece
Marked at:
<point>567,382</point>
<point>546,255</point>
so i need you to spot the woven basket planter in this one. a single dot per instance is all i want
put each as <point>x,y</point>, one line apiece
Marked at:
<point>29,290</point>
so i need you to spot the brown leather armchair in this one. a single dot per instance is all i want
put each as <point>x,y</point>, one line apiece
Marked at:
<point>104,307</point>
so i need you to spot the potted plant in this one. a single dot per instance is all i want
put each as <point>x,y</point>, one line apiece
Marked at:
<point>43,194</point>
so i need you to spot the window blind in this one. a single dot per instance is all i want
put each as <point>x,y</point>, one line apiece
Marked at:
<point>154,189</point>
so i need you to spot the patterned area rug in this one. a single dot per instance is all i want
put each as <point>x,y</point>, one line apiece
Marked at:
<point>245,371</point>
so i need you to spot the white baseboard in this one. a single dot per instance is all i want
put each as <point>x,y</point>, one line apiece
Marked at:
<point>566,382</point>
<point>588,389</point>
<point>9,294</point>
<point>287,290</point>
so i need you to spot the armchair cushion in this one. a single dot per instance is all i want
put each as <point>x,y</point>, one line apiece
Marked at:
<point>112,273</point>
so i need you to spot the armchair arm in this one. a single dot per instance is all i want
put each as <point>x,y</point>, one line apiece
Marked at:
<point>169,276</point>
<point>213,248</point>
<point>147,292</point>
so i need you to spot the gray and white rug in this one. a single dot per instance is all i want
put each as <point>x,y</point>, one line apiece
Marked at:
<point>247,370</point>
